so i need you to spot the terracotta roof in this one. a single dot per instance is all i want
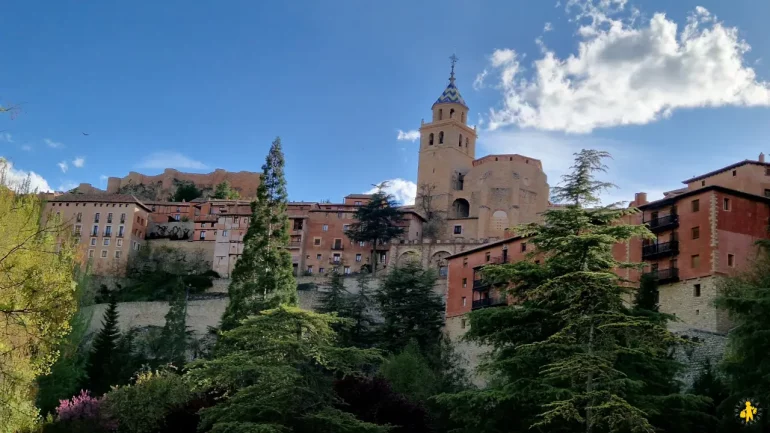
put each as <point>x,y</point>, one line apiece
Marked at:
<point>359,196</point>
<point>667,201</point>
<point>485,246</point>
<point>101,198</point>
<point>723,169</point>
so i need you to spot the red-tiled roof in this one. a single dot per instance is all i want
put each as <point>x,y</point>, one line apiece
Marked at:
<point>729,167</point>
<point>100,198</point>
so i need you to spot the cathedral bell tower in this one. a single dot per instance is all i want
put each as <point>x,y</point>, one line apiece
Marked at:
<point>447,147</point>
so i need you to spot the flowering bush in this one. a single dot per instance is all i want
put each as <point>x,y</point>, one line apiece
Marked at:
<point>82,406</point>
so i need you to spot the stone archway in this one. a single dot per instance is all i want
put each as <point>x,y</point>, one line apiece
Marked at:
<point>461,208</point>
<point>408,256</point>
<point>498,222</point>
<point>438,262</point>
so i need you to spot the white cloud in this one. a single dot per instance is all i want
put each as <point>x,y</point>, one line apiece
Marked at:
<point>548,27</point>
<point>103,179</point>
<point>408,135</point>
<point>26,147</point>
<point>14,177</point>
<point>63,166</point>
<point>53,144</point>
<point>627,74</point>
<point>79,162</point>
<point>478,83</point>
<point>402,190</point>
<point>6,137</point>
<point>162,160</point>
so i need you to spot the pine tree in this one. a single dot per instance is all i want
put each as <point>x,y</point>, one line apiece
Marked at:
<point>336,299</point>
<point>362,330</point>
<point>554,354</point>
<point>263,277</point>
<point>102,369</point>
<point>174,334</point>
<point>377,222</point>
<point>745,297</point>
<point>410,308</point>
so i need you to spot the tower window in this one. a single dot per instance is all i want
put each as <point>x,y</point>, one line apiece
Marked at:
<point>461,140</point>
<point>440,114</point>
<point>451,113</point>
<point>430,139</point>
<point>441,137</point>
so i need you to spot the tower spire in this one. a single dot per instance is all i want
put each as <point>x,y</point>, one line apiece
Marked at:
<point>454,60</point>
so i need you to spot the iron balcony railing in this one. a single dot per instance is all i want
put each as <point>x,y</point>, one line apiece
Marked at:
<point>295,244</point>
<point>664,275</point>
<point>661,249</point>
<point>488,302</point>
<point>338,247</point>
<point>663,222</point>
<point>477,284</point>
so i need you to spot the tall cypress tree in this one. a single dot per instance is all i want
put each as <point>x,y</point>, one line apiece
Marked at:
<point>263,277</point>
<point>102,368</point>
<point>336,299</point>
<point>174,334</point>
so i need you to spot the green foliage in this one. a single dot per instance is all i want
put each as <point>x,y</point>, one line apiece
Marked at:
<point>186,191</point>
<point>263,277</point>
<point>554,359</point>
<point>710,385</point>
<point>746,298</point>
<point>225,191</point>
<point>410,373</point>
<point>275,374</point>
<point>336,299</point>
<point>37,297</point>
<point>143,406</point>
<point>362,330</point>
<point>69,370</point>
<point>174,337</point>
<point>410,308</point>
<point>377,222</point>
<point>102,362</point>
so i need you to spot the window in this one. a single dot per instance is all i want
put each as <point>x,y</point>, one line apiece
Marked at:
<point>487,256</point>
<point>703,183</point>
<point>537,262</point>
<point>465,301</point>
<point>318,257</point>
<point>104,254</point>
<point>767,171</point>
<point>430,139</point>
<point>726,204</point>
<point>458,230</point>
<point>120,243</point>
<point>316,241</point>
<point>178,209</point>
<point>339,215</point>
<point>77,230</point>
<point>441,137</point>
<point>96,217</point>
<point>224,233</point>
<point>336,258</point>
<point>735,172</point>
<point>321,270</point>
<point>108,231</point>
<point>523,247</point>
<point>346,270</point>
<point>121,229</point>
<point>122,218</point>
<point>109,218</point>
<point>93,241</point>
<point>91,254</point>
<point>310,269</point>
<point>440,114</point>
<point>361,243</point>
<point>731,260</point>
<point>466,141</point>
<point>695,261</point>
<point>695,205</point>
<point>79,217</point>
<point>297,225</point>
<point>465,262</point>
<point>345,227</point>
<point>358,257</point>
<point>358,203</point>
<point>95,231</point>
<point>106,242</point>
<point>695,232</point>
<point>118,254</point>
<point>696,290</point>
<point>451,112</point>
<point>325,228</point>
<point>461,141</point>
<point>463,323</point>
<point>176,217</point>
<point>465,283</point>
<point>203,235</point>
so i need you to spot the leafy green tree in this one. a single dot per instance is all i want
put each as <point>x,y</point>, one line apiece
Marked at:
<point>174,335</point>
<point>69,371</point>
<point>186,191</point>
<point>410,373</point>
<point>745,297</point>
<point>224,191</point>
<point>410,308</point>
<point>37,296</point>
<point>276,374</point>
<point>377,222</point>
<point>103,368</point>
<point>553,363</point>
<point>263,277</point>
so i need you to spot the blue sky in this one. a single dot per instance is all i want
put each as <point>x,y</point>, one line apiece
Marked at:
<point>203,85</point>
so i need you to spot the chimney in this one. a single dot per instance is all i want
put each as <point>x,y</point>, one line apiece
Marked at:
<point>761,157</point>
<point>640,198</point>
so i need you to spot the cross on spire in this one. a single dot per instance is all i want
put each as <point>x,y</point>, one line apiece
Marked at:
<point>454,60</point>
